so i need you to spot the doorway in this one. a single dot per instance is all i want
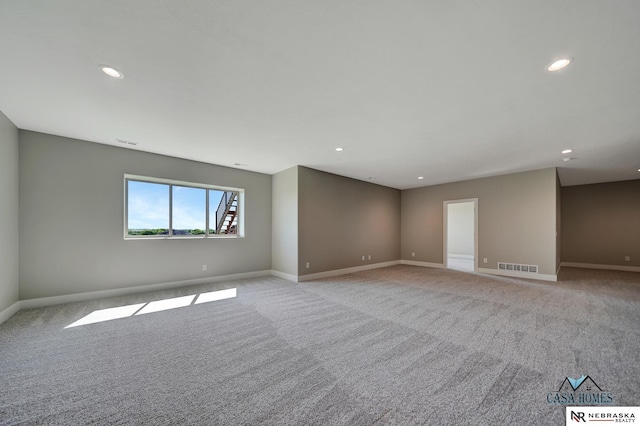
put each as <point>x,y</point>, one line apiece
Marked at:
<point>460,234</point>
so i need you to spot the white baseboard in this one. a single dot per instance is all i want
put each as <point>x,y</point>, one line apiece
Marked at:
<point>80,297</point>
<point>461,256</point>
<point>597,266</point>
<point>519,274</point>
<point>424,264</point>
<point>344,271</point>
<point>284,276</point>
<point>9,312</point>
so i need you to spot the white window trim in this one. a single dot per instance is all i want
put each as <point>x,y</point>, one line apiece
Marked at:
<point>170,182</point>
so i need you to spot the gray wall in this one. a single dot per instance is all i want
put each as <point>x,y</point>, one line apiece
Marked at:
<point>516,219</point>
<point>284,245</point>
<point>341,219</point>
<point>8,213</point>
<point>558,222</point>
<point>460,223</point>
<point>71,223</point>
<point>601,223</point>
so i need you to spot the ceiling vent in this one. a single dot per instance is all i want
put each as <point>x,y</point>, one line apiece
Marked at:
<point>503,266</point>
<point>127,142</point>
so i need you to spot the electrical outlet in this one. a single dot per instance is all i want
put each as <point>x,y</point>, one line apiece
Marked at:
<point>308,265</point>
<point>369,257</point>
<point>627,258</point>
<point>413,254</point>
<point>485,260</point>
<point>204,267</point>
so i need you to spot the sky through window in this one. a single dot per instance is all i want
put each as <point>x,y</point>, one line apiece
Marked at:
<point>148,205</point>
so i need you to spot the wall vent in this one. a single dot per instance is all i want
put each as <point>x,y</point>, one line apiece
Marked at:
<point>503,266</point>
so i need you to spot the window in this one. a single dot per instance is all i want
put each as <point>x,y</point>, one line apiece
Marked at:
<point>161,208</point>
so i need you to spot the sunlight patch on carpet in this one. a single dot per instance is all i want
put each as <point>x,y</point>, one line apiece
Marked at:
<point>107,314</point>
<point>166,304</point>
<point>212,296</point>
<point>126,311</point>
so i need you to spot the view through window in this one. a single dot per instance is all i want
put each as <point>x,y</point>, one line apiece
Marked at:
<point>163,208</point>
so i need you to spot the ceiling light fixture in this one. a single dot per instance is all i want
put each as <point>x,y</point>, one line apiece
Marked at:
<point>567,151</point>
<point>420,177</point>
<point>339,149</point>
<point>559,64</point>
<point>567,159</point>
<point>111,72</point>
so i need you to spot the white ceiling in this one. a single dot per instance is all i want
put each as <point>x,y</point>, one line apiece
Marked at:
<point>448,90</point>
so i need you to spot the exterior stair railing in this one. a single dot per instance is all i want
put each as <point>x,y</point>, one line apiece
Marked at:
<point>226,210</point>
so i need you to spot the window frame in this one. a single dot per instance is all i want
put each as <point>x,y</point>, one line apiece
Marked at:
<point>171,183</point>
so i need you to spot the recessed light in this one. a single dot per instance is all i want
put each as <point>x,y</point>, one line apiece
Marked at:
<point>371,178</point>
<point>240,164</point>
<point>639,170</point>
<point>339,149</point>
<point>559,64</point>
<point>111,72</point>
<point>567,151</point>
<point>420,177</point>
<point>568,159</point>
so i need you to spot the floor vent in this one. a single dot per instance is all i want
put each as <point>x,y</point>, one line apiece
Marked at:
<point>502,266</point>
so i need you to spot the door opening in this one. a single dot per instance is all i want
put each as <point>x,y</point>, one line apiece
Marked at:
<point>460,234</point>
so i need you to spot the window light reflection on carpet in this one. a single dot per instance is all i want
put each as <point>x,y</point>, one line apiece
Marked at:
<point>109,314</point>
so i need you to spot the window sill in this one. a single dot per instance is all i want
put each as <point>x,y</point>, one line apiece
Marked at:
<point>193,237</point>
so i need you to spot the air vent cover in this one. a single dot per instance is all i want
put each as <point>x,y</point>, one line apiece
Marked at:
<point>127,142</point>
<point>503,266</point>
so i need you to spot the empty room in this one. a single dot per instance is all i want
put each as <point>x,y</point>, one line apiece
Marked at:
<point>320,212</point>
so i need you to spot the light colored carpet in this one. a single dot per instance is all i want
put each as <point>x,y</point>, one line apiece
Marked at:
<point>398,345</point>
<point>459,264</point>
